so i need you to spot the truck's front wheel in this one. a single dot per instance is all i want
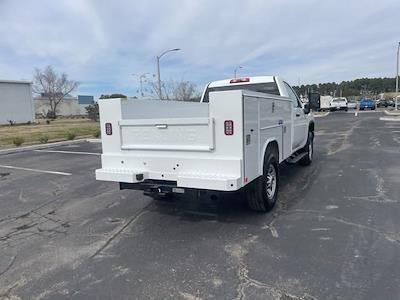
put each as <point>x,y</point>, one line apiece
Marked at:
<point>309,150</point>
<point>262,193</point>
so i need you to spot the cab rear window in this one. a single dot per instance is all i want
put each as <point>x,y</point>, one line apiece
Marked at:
<point>267,88</point>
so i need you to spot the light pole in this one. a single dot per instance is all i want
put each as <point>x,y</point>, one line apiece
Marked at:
<point>235,71</point>
<point>158,69</point>
<point>397,75</point>
<point>141,78</point>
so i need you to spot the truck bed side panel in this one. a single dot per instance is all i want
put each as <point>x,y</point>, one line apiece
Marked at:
<point>267,119</point>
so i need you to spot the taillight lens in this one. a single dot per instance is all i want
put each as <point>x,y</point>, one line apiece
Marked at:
<point>228,125</point>
<point>108,129</point>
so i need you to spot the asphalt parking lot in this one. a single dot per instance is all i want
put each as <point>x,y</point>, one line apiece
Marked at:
<point>334,234</point>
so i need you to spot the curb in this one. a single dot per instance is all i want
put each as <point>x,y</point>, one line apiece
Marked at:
<point>93,140</point>
<point>392,119</point>
<point>321,116</point>
<point>392,113</point>
<point>44,146</point>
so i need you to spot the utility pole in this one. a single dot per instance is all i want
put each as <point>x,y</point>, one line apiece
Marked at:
<point>235,71</point>
<point>397,75</point>
<point>158,69</point>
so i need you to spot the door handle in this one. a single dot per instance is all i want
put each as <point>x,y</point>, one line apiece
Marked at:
<point>297,114</point>
<point>161,126</point>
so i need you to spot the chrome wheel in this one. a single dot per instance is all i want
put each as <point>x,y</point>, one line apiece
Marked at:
<point>271,182</point>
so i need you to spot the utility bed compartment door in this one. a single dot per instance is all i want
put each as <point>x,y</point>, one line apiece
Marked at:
<point>185,134</point>
<point>251,138</point>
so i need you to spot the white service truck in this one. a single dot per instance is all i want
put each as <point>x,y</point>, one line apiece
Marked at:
<point>235,138</point>
<point>325,103</point>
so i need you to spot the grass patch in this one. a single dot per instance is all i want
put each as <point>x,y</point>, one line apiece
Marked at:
<point>43,139</point>
<point>97,134</point>
<point>57,130</point>
<point>18,141</point>
<point>71,135</point>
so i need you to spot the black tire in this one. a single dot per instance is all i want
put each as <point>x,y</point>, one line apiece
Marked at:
<point>262,193</point>
<point>361,108</point>
<point>309,149</point>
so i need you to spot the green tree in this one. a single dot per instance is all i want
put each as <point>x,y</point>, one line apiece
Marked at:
<point>92,111</point>
<point>371,86</point>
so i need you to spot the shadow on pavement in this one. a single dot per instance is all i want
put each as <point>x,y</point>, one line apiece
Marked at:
<point>231,207</point>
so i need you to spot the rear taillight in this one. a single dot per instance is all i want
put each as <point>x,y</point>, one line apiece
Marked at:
<point>228,125</point>
<point>238,80</point>
<point>108,129</point>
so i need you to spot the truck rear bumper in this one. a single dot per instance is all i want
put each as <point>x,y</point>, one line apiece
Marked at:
<point>338,108</point>
<point>186,180</point>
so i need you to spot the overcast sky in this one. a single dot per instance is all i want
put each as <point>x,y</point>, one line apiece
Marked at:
<point>101,43</point>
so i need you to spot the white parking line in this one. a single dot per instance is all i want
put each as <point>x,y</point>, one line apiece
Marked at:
<point>392,119</point>
<point>36,170</point>
<point>321,115</point>
<point>69,152</point>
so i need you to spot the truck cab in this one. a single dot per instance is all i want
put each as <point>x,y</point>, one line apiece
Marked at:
<point>234,139</point>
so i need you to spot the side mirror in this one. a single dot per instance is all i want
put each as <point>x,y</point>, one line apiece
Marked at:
<point>306,108</point>
<point>314,99</point>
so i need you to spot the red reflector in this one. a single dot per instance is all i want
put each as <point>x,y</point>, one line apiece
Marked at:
<point>108,129</point>
<point>228,124</point>
<point>238,80</point>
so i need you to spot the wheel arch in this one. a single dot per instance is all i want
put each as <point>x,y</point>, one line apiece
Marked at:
<point>270,145</point>
<point>311,126</point>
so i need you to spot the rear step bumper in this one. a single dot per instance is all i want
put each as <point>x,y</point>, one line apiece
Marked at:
<point>186,180</point>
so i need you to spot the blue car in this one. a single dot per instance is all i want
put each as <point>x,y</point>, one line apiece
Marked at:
<point>367,103</point>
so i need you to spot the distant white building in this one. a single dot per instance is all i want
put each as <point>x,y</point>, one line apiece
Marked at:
<point>69,106</point>
<point>16,104</point>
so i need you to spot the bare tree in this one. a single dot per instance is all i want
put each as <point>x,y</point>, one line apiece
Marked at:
<point>167,90</point>
<point>52,85</point>
<point>184,91</point>
<point>172,90</point>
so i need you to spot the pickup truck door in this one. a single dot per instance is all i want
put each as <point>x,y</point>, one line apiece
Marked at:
<point>299,121</point>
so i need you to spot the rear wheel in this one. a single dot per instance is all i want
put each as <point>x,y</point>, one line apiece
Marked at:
<point>309,149</point>
<point>262,193</point>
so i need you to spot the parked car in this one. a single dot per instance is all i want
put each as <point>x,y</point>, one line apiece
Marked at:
<point>367,103</point>
<point>235,138</point>
<point>352,105</point>
<point>383,103</point>
<point>338,104</point>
